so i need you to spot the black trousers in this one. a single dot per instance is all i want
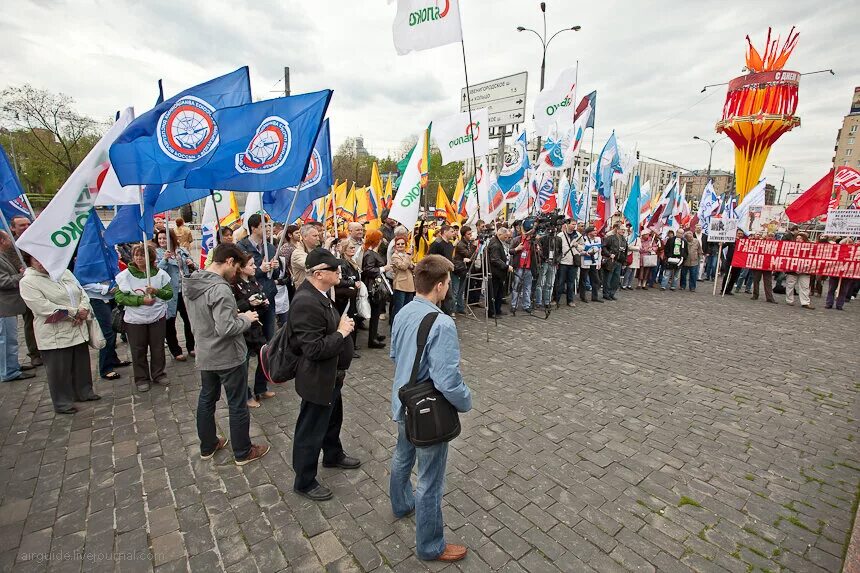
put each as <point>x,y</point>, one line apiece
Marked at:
<point>496,292</point>
<point>172,340</point>
<point>69,376</point>
<point>731,279</point>
<point>30,335</point>
<point>593,277</point>
<point>143,338</point>
<point>373,325</point>
<point>317,429</point>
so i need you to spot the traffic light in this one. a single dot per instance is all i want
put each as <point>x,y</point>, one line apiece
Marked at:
<point>637,156</point>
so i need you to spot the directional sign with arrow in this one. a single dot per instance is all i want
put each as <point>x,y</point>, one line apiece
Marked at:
<point>504,98</point>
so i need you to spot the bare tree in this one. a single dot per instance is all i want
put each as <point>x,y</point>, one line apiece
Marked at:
<point>57,132</point>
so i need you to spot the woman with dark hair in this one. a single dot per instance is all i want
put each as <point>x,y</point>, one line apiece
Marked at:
<point>177,263</point>
<point>372,268</point>
<point>249,296</point>
<point>145,301</point>
<point>61,310</point>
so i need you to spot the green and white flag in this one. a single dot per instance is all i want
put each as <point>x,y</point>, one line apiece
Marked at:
<point>555,106</point>
<point>425,24</point>
<point>407,200</point>
<point>55,233</point>
<point>454,135</point>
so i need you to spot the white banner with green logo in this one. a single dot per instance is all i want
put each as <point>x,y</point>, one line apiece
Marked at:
<point>425,24</point>
<point>555,106</point>
<point>454,135</point>
<point>407,200</point>
<point>55,233</point>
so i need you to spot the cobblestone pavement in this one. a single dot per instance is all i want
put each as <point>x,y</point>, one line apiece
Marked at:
<point>667,431</point>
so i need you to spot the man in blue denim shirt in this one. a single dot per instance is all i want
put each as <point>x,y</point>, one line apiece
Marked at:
<point>440,363</point>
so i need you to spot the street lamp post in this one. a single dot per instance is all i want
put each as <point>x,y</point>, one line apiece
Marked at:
<point>711,144</point>
<point>779,195</point>
<point>544,44</point>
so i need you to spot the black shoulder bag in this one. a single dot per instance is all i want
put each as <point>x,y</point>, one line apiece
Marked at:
<point>430,417</point>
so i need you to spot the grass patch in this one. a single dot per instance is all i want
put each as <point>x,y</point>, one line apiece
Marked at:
<point>688,501</point>
<point>778,409</point>
<point>776,552</point>
<point>810,478</point>
<point>761,554</point>
<point>797,523</point>
<point>760,494</point>
<point>749,477</point>
<point>849,465</point>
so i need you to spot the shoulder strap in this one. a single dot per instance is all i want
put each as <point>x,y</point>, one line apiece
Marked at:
<point>423,333</point>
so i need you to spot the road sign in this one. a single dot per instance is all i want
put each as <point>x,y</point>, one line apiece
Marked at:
<point>504,98</point>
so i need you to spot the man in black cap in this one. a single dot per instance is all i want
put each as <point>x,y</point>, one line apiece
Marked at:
<point>322,341</point>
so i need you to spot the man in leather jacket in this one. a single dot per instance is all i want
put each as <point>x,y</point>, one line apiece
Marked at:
<point>614,255</point>
<point>497,254</point>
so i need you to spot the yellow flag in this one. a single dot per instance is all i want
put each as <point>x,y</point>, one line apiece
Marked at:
<point>388,194</point>
<point>233,214</point>
<point>443,206</point>
<point>346,204</point>
<point>459,200</point>
<point>362,200</point>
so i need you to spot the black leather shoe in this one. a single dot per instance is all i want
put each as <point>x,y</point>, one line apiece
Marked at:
<point>380,338</point>
<point>92,398</point>
<point>319,493</point>
<point>376,345</point>
<point>66,410</point>
<point>346,463</point>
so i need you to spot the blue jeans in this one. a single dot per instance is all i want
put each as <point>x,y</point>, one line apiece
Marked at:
<point>522,277</point>
<point>10,368</point>
<point>235,383</point>
<point>689,276</point>
<point>670,277</point>
<point>427,497</point>
<point>745,280</point>
<point>710,267</point>
<point>398,301</point>
<point>108,359</point>
<point>458,286</point>
<point>566,282</point>
<point>546,278</point>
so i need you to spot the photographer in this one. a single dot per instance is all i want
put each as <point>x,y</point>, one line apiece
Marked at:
<point>549,254</point>
<point>524,259</point>
<point>464,252</point>
<point>249,296</point>
<point>497,255</point>
<point>571,241</point>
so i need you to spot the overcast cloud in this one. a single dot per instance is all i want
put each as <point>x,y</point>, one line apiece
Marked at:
<point>647,60</point>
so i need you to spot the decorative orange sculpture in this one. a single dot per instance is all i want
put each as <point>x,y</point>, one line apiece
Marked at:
<point>760,108</point>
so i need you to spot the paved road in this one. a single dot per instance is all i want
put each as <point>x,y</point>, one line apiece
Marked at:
<point>667,431</point>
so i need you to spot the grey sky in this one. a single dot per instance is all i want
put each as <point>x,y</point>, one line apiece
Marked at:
<point>647,60</point>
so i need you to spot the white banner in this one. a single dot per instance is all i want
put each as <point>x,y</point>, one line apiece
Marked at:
<point>407,200</point>
<point>54,235</point>
<point>454,135</point>
<point>843,223</point>
<point>723,230</point>
<point>425,24</point>
<point>555,106</point>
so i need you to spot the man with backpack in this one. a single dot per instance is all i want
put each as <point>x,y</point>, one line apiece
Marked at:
<point>439,363</point>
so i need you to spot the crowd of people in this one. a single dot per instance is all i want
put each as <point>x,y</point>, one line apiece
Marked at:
<point>324,288</point>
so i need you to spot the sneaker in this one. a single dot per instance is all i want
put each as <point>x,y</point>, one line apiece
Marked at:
<point>256,453</point>
<point>222,443</point>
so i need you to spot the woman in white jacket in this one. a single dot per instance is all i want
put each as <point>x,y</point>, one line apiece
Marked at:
<point>60,313</point>
<point>633,262</point>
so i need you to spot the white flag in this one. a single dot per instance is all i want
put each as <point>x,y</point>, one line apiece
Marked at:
<point>491,199</point>
<point>53,236</point>
<point>111,192</point>
<point>425,24</point>
<point>755,198</point>
<point>407,200</point>
<point>454,135</point>
<point>555,106</point>
<point>471,192</point>
<point>253,204</point>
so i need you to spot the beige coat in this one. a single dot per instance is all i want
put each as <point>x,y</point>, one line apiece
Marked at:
<point>403,278</point>
<point>44,296</point>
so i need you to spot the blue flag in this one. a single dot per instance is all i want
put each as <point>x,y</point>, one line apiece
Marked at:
<point>96,262</point>
<point>632,207</point>
<point>161,198</point>
<point>317,182</point>
<point>10,187</point>
<point>265,146</point>
<point>167,142</point>
<point>515,165</point>
<point>125,226</point>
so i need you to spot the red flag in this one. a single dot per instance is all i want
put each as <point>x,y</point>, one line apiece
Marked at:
<point>813,202</point>
<point>848,178</point>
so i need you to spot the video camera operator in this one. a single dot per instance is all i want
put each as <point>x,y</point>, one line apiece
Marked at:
<point>549,254</point>
<point>524,260</point>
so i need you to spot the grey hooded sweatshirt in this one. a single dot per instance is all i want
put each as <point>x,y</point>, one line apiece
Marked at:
<point>215,321</point>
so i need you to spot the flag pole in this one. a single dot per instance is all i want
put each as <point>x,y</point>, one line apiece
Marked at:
<point>145,246</point>
<point>573,159</point>
<point>11,238</point>
<point>263,222</point>
<point>289,213</point>
<point>217,218</point>
<point>484,269</point>
<point>167,229</point>
<point>29,206</point>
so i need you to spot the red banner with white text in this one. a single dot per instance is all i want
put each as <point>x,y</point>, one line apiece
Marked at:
<point>803,258</point>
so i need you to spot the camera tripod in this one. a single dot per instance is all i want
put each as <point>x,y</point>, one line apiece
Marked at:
<point>539,261</point>
<point>484,285</point>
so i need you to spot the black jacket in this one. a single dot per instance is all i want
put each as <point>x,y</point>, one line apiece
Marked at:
<point>322,350</point>
<point>345,290</point>
<point>498,259</point>
<point>243,291</point>
<point>442,247</point>
<point>516,256</point>
<point>550,244</point>
<point>463,250</point>
<point>669,250</point>
<point>267,284</point>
